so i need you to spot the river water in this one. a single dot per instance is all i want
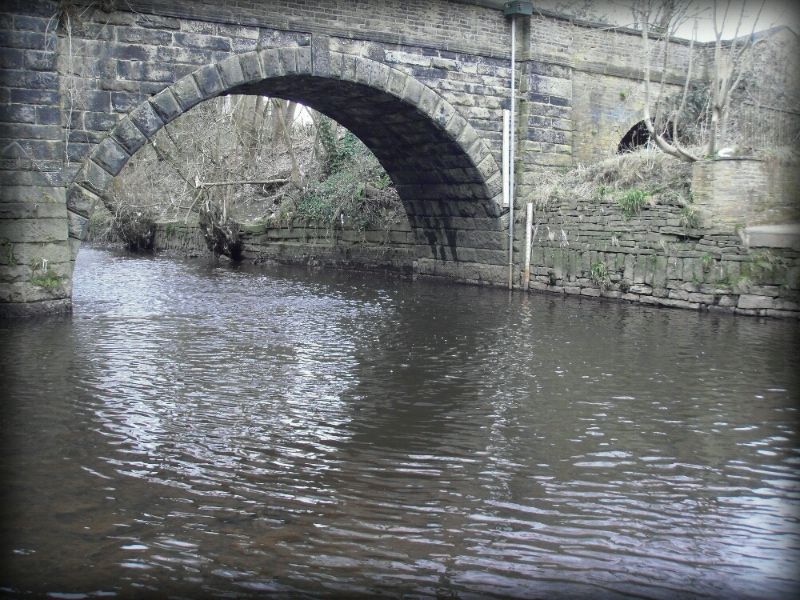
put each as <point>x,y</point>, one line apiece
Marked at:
<point>199,430</point>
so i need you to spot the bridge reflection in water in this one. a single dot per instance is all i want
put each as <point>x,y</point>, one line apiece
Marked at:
<point>201,430</point>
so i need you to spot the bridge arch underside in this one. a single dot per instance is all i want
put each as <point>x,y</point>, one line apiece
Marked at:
<point>451,208</point>
<point>444,172</point>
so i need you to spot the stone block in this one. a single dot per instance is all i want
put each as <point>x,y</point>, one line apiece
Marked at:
<point>412,92</point>
<point>129,136</point>
<point>81,201</point>
<point>93,177</point>
<point>31,210</point>
<point>303,58</point>
<point>166,105</point>
<point>288,61</point>
<point>77,225</point>
<point>230,71</point>
<point>455,126</point>
<point>363,71</point>
<point>397,83</point>
<point>379,76</point>
<point>146,119</point>
<point>110,155</point>
<point>209,81</point>
<point>21,188</point>
<point>187,93</point>
<point>320,55</point>
<point>251,67</point>
<point>336,65</point>
<point>751,301</point>
<point>34,230</point>
<point>271,65</point>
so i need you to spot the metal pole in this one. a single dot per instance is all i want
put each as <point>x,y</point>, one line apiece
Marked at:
<point>511,157</point>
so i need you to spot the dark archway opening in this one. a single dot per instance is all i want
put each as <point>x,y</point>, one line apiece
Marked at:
<point>638,137</point>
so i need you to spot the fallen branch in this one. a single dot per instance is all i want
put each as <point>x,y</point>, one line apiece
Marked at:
<point>205,184</point>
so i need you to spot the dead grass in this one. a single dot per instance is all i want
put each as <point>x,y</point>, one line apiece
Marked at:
<point>663,178</point>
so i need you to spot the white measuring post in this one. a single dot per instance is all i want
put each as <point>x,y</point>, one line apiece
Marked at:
<point>506,156</point>
<point>526,278</point>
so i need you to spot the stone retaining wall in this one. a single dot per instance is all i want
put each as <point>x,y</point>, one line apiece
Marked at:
<point>591,248</point>
<point>303,242</point>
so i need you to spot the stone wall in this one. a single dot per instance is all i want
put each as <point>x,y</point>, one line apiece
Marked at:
<point>303,242</point>
<point>660,257</point>
<point>737,193</point>
<point>177,237</point>
<point>306,243</point>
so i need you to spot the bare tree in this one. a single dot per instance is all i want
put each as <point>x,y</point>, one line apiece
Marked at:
<point>659,22</point>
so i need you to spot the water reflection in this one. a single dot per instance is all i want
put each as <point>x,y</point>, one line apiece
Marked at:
<point>201,430</point>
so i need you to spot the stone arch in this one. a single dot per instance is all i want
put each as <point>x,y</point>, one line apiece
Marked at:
<point>443,170</point>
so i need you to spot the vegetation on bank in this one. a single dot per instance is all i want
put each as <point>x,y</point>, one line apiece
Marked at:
<point>243,159</point>
<point>629,180</point>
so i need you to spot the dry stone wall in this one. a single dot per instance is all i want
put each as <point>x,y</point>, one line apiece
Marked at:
<point>592,248</point>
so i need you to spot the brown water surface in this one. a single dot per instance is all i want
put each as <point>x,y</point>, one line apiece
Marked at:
<point>204,431</point>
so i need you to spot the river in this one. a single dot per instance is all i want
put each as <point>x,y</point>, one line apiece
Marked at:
<point>201,430</point>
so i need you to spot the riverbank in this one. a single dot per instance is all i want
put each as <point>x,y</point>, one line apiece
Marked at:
<point>656,261</point>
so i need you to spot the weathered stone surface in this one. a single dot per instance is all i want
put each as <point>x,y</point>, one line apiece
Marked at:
<point>749,301</point>
<point>81,201</point>
<point>93,177</point>
<point>320,55</point>
<point>187,93</point>
<point>146,119</point>
<point>209,81</point>
<point>251,67</point>
<point>231,72</point>
<point>166,105</point>
<point>34,230</point>
<point>78,225</point>
<point>129,136</point>
<point>110,155</point>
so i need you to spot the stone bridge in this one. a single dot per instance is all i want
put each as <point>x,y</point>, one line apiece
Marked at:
<point>423,84</point>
